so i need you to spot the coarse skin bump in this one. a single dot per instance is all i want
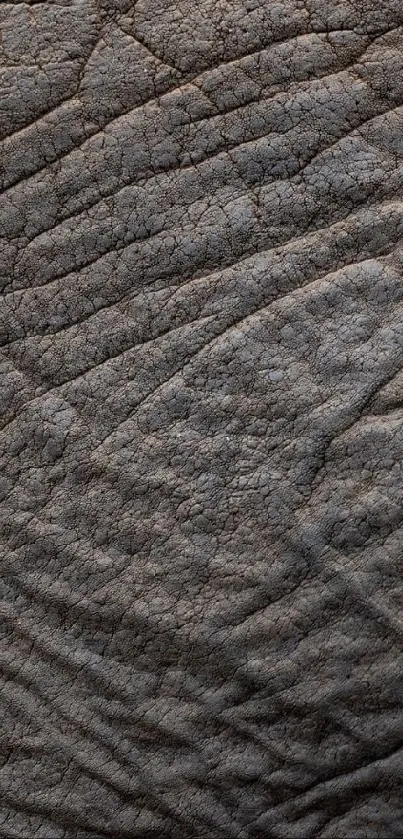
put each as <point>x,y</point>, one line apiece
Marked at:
<point>201,419</point>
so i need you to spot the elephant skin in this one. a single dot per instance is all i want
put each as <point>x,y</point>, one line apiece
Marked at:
<point>201,480</point>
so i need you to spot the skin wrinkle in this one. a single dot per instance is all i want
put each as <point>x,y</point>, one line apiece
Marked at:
<point>220,152</point>
<point>203,76</point>
<point>200,433</point>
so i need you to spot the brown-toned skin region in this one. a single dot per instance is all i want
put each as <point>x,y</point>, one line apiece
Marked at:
<point>201,419</point>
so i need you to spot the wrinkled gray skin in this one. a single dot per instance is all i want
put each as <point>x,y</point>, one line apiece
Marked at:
<point>202,427</point>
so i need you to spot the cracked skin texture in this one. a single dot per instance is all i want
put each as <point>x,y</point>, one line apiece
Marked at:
<point>201,328</point>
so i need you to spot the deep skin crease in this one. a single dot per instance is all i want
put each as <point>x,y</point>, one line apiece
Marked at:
<point>201,436</point>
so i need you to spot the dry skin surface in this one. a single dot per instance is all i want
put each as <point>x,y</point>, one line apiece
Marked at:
<point>201,440</point>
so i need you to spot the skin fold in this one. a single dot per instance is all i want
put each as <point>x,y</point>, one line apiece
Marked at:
<point>201,427</point>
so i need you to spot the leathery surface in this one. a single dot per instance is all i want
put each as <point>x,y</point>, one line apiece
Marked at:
<point>201,440</point>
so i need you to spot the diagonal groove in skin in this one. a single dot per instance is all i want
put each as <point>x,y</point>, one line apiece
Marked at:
<point>90,47</point>
<point>358,777</point>
<point>88,727</point>
<point>141,42</point>
<point>121,248</point>
<point>67,381</point>
<point>361,406</point>
<point>227,150</point>
<point>246,262</point>
<point>227,721</point>
<point>384,755</point>
<point>85,762</point>
<point>101,743</point>
<point>142,182</point>
<point>48,647</point>
<point>93,668</point>
<point>60,814</point>
<point>187,80</point>
<point>206,320</point>
<point>242,322</point>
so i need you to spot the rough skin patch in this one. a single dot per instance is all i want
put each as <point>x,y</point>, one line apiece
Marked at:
<point>201,419</point>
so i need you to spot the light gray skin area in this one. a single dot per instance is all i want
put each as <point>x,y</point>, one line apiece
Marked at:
<point>202,427</point>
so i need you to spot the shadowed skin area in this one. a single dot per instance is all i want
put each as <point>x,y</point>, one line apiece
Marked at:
<point>201,444</point>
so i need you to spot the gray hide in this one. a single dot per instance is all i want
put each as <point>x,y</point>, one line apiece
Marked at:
<point>202,428</point>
